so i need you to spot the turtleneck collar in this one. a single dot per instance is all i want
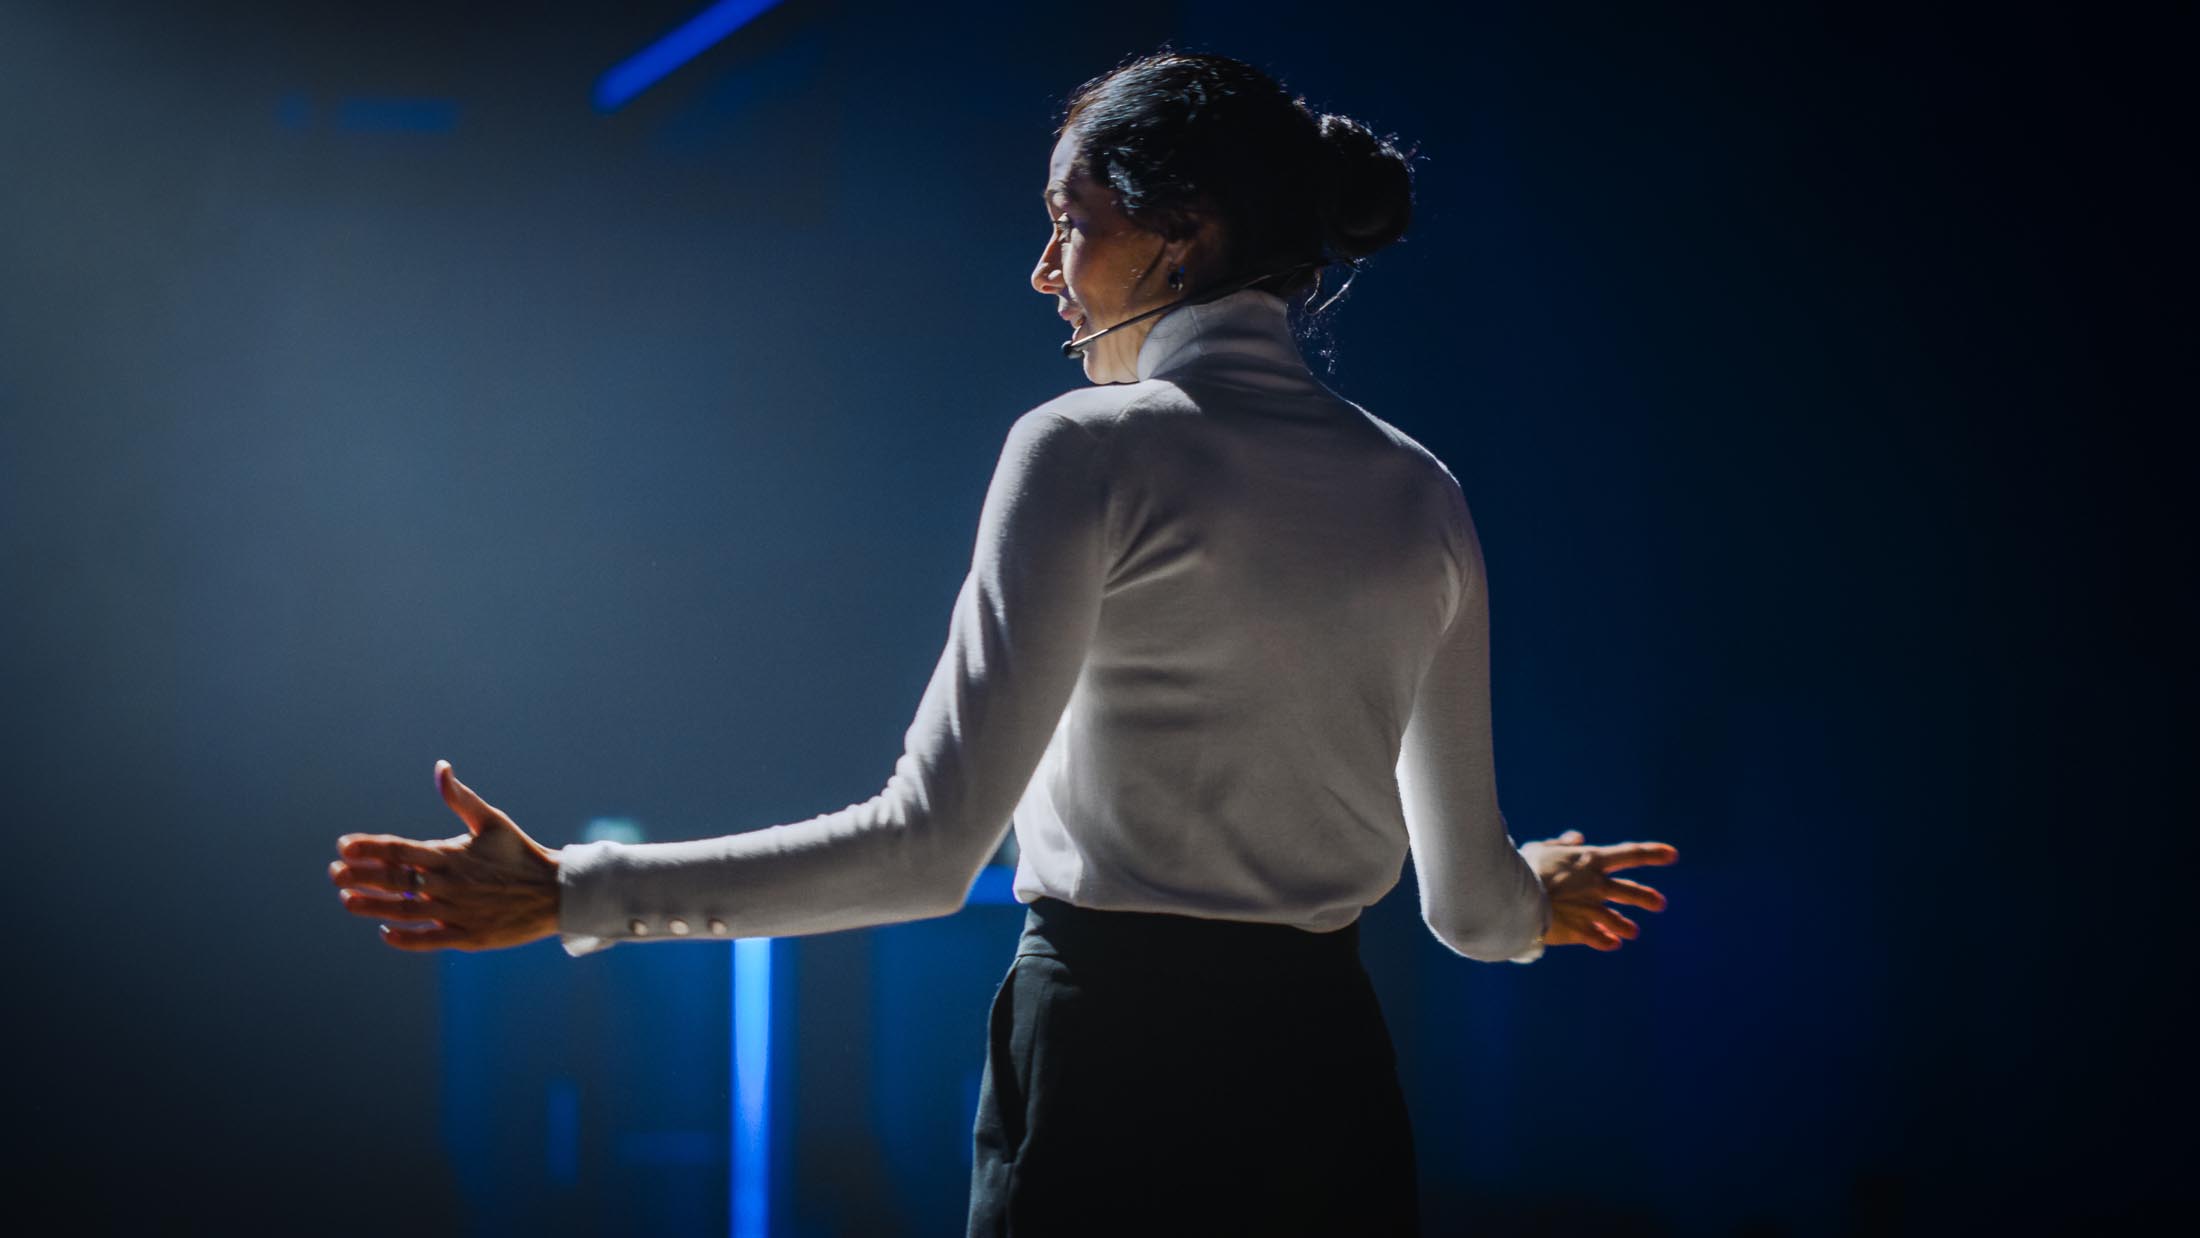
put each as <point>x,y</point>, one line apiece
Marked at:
<point>1250,329</point>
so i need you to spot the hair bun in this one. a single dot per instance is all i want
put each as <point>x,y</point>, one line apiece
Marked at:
<point>1368,202</point>
<point>1185,139</point>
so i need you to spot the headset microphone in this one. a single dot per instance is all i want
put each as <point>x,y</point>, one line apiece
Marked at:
<point>1072,348</point>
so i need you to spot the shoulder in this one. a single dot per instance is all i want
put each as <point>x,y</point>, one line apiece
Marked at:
<point>1423,471</point>
<point>1445,499</point>
<point>1410,448</point>
<point>1067,439</point>
<point>1100,410</point>
<point>1088,425</point>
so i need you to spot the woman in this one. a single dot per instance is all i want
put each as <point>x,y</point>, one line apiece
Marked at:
<point>1221,659</point>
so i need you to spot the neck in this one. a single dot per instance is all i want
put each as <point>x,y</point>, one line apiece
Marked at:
<point>1212,292</point>
<point>1242,332</point>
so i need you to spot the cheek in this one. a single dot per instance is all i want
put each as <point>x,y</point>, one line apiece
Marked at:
<point>1080,270</point>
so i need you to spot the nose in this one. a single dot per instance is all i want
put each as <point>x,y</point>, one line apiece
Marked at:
<point>1047,276</point>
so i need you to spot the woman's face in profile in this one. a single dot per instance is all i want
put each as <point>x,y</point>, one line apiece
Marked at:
<point>1100,267</point>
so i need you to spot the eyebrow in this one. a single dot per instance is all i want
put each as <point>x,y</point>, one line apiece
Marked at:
<point>1057,189</point>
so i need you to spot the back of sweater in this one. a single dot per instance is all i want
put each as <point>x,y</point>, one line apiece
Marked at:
<point>1222,652</point>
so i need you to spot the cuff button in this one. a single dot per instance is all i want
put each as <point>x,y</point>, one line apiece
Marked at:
<point>718,928</point>
<point>640,928</point>
<point>678,926</point>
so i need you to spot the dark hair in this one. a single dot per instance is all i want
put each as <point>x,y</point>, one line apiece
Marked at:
<point>1179,135</point>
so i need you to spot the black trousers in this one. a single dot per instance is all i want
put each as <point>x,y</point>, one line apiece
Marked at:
<point>1153,1074</point>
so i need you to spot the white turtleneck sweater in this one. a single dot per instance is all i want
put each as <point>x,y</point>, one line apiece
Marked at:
<point>1222,651</point>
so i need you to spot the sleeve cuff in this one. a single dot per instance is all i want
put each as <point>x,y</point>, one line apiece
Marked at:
<point>578,944</point>
<point>1535,948</point>
<point>580,919</point>
<point>612,893</point>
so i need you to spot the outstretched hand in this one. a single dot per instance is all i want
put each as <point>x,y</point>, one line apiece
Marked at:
<point>1576,878</point>
<point>491,886</point>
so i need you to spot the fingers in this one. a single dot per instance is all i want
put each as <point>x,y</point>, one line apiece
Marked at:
<point>390,849</point>
<point>1629,855</point>
<point>1594,936</point>
<point>1592,924</point>
<point>1600,926</point>
<point>378,906</point>
<point>442,938</point>
<point>471,808</point>
<point>1633,893</point>
<point>377,875</point>
<point>1616,924</point>
<point>1572,925</point>
<point>1571,837</point>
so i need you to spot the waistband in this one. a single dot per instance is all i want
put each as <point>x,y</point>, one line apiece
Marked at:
<point>1151,939</point>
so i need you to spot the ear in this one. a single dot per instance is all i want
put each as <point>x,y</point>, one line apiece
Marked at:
<point>1199,253</point>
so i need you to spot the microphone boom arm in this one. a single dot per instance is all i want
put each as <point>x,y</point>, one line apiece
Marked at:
<point>1072,348</point>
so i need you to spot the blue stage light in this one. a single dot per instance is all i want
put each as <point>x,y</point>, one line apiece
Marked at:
<point>650,65</point>
<point>749,1184</point>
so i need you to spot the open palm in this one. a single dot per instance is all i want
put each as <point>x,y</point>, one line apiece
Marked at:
<point>1578,880</point>
<point>491,886</point>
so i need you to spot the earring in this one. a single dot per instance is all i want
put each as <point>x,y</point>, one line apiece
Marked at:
<point>1176,277</point>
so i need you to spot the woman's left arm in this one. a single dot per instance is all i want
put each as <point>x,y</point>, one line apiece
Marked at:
<point>1016,645</point>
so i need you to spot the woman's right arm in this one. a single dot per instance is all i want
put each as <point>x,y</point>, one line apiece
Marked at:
<point>1479,895</point>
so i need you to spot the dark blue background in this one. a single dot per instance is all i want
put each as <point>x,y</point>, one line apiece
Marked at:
<point>366,397</point>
